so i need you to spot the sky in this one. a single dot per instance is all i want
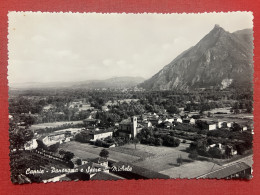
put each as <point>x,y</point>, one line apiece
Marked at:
<point>70,47</point>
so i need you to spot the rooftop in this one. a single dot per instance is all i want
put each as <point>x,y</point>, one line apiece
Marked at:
<point>99,160</point>
<point>125,122</point>
<point>149,174</point>
<point>105,176</point>
<point>226,171</point>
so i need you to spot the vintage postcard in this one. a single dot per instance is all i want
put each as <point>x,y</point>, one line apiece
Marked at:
<point>130,96</point>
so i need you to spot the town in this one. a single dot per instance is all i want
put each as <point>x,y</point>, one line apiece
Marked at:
<point>130,133</point>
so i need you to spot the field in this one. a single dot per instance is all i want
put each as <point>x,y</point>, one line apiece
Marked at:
<point>242,118</point>
<point>55,124</point>
<point>87,151</point>
<point>161,159</point>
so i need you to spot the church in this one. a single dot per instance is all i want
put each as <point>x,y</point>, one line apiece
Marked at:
<point>128,127</point>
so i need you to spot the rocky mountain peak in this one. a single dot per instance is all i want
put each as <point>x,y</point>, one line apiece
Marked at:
<point>218,57</point>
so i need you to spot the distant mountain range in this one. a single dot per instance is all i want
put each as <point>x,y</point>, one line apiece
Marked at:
<point>113,83</point>
<point>219,60</point>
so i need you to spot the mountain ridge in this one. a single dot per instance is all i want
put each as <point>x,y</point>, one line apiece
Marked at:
<point>114,82</point>
<point>220,59</point>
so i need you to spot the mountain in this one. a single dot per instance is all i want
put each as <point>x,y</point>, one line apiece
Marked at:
<point>219,60</point>
<point>113,83</point>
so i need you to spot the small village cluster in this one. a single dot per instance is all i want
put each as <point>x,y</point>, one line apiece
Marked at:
<point>127,130</point>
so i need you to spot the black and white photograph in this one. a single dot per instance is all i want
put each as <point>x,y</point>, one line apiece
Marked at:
<point>114,96</point>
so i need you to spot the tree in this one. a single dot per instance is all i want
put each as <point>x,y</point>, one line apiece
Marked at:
<point>135,141</point>
<point>240,149</point>
<point>61,152</point>
<point>193,146</point>
<point>193,155</point>
<point>215,152</point>
<point>104,153</point>
<point>173,109</point>
<point>158,141</point>
<point>79,161</point>
<point>19,137</point>
<point>54,147</point>
<point>68,156</point>
<point>236,127</point>
<point>209,141</point>
<point>228,151</point>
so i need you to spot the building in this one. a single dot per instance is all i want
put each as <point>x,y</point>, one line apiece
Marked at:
<point>146,124</point>
<point>192,121</point>
<point>188,121</point>
<point>244,128</point>
<point>48,107</point>
<point>53,138</point>
<point>105,176</point>
<point>95,135</point>
<point>167,124</point>
<point>239,170</point>
<point>31,145</point>
<point>128,127</point>
<point>130,171</point>
<point>177,119</point>
<point>211,126</point>
<point>91,122</point>
<point>101,161</point>
<point>220,124</point>
<point>169,120</point>
<point>231,150</point>
<point>84,161</point>
<point>229,124</point>
<point>219,146</point>
<point>155,121</point>
<point>105,108</point>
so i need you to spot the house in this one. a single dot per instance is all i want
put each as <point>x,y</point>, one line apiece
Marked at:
<point>169,120</point>
<point>192,121</point>
<point>95,135</point>
<point>83,107</point>
<point>91,122</point>
<point>219,146</point>
<point>104,108</point>
<point>101,161</point>
<point>211,126</point>
<point>48,107</point>
<point>177,119</point>
<point>237,170</point>
<point>146,124</point>
<point>220,124</point>
<point>128,127</point>
<point>84,161</point>
<point>168,124</point>
<point>31,145</point>
<point>53,138</point>
<point>188,120</point>
<point>244,128</point>
<point>229,124</point>
<point>105,176</point>
<point>190,114</point>
<point>231,150</point>
<point>155,121</point>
